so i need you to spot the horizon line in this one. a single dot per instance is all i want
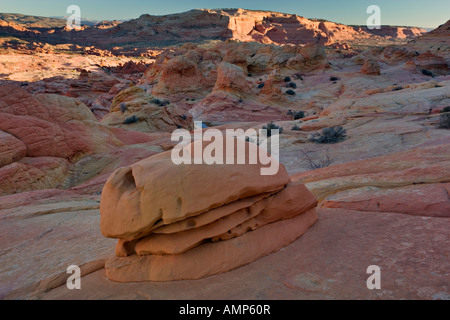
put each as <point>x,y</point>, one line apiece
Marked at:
<point>224,9</point>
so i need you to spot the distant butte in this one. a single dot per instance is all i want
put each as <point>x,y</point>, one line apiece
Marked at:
<point>204,24</point>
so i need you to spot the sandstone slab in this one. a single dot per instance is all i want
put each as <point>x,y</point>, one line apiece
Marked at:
<point>213,258</point>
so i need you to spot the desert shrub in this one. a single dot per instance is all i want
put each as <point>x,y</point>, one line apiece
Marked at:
<point>330,135</point>
<point>446,109</point>
<point>161,103</point>
<point>261,85</point>
<point>299,115</point>
<point>249,74</point>
<point>296,128</point>
<point>184,117</point>
<point>123,107</point>
<point>444,121</point>
<point>272,126</point>
<point>130,120</point>
<point>316,162</point>
<point>292,85</point>
<point>14,42</point>
<point>156,101</point>
<point>427,73</point>
<point>290,92</point>
<point>287,79</point>
<point>334,78</point>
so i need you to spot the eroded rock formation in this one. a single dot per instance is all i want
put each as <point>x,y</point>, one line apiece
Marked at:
<point>192,221</point>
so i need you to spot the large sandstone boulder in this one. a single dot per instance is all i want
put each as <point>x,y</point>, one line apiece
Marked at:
<point>309,58</point>
<point>135,109</point>
<point>179,74</point>
<point>135,198</point>
<point>371,67</point>
<point>195,220</point>
<point>432,63</point>
<point>231,77</point>
<point>394,55</point>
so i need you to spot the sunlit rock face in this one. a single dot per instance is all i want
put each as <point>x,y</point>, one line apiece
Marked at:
<point>191,221</point>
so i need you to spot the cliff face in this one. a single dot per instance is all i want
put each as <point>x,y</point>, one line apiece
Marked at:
<point>436,41</point>
<point>205,24</point>
<point>245,25</point>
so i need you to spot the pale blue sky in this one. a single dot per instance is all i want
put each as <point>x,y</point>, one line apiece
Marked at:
<point>421,13</point>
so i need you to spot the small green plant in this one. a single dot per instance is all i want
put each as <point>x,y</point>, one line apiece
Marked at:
<point>290,92</point>
<point>446,109</point>
<point>287,79</point>
<point>123,107</point>
<point>291,85</point>
<point>299,115</point>
<point>330,135</point>
<point>296,128</point>
<point>261,85</point>
<point>183,117</point>
<point>130,120</point>
<point>444,121</point>
<point>334,78</point>
<point>161,103</point>
<point>427,73</point>
<point>272,126</point>
<point>316,162</point>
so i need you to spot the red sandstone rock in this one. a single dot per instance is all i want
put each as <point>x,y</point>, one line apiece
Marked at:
<point>309,58</point>
<point>43,138</point>
<point>150,114</point>
<point>371,67</point>
<point>231,78</point>
<point>393,54</point>
<point>195,25</point>
<point>425,200</point>
<point>124,193</point>
<point>425,165</point>
<point>179,74</point>
<point>32,174</point>
<point>11,149</point>
<point>175,227</point>
<point>211,258</point>
<point>435,41</point>
<point>432,63</point>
